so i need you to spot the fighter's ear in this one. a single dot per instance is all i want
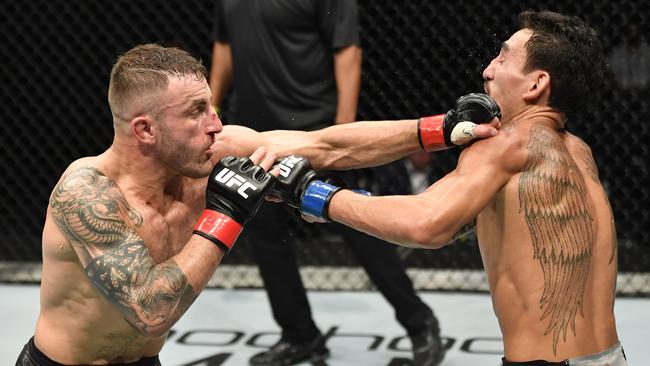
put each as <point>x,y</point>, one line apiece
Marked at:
<point>540,84</point>
<point>142,128</point>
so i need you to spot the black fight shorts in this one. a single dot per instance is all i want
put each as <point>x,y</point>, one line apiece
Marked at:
<point>32,356</point>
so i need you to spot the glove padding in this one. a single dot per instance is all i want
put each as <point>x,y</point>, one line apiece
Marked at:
<point>303,188</point>
<point>295,174</point>
<point>456,127</point>
<point>475,108</point>
<point>236,189</point>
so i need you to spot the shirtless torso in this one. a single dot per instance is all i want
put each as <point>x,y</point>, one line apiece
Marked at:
<point>77,324</point>
<point>548,245</point>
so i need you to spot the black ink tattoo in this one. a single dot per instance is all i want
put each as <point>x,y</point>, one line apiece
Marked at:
<point>92,213</point>
<point>465,233</point>
<point>588,159</point>
<point>553,198</point>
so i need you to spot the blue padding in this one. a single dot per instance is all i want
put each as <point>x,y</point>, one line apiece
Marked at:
<point>315,197</point>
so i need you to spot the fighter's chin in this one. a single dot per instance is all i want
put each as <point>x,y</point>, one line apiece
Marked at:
<point>486,89</point>
<point>198,171</point>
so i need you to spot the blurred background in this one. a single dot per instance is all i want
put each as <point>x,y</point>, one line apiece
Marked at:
<point>418,57</point>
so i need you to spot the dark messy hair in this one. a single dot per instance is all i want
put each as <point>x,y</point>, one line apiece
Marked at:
<point>146,69</point>
<point>570,51</point>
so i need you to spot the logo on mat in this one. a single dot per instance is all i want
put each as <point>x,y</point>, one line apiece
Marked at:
<point>230,179</point>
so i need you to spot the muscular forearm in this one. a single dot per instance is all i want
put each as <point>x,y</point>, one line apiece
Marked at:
<point>404,220</point>
<point>365,144</point>
<point>349,146</point>
<point>152,297</point>
<point>198,260</point>
<point>174,285</point>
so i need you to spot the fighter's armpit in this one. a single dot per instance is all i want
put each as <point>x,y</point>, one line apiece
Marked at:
<point>95,217</point>
<point>464,234</point>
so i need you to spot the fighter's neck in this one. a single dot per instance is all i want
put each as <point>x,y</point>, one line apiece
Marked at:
<point>546,116</point>
<point>142,177</point>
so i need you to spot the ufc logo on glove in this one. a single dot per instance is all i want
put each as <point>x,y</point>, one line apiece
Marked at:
<point>287,164</point>
<point>229,178</point>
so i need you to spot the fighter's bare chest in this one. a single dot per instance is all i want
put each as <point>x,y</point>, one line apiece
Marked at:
<point>165,233</point>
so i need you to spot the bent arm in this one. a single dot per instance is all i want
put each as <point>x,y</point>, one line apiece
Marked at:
<point>433,218</point>
<point>93,214</point>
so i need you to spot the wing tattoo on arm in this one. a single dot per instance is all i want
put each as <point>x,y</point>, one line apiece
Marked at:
<point>553,198</point>
<point>95,217</point>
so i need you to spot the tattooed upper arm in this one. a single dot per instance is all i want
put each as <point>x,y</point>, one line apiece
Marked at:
<point>92,213</point>
<point>95,217</point>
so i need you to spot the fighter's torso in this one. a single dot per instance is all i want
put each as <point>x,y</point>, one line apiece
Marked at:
<point>547,245</point>
<point>77,325</point>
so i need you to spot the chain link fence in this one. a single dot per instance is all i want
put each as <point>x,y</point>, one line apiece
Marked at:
<point>419,56</point>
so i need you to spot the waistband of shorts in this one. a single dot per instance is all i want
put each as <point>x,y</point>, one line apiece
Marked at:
<point>595,356</point>
<point>43,360</point>
<point>39,356</point>
<point>567,362</point>
<point>534,363</point>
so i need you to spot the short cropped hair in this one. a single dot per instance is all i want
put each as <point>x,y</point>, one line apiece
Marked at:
<point>145,70</point>
<point>570,51</point>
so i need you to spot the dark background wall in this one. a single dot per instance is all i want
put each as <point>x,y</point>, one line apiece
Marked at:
<point>419,56</point>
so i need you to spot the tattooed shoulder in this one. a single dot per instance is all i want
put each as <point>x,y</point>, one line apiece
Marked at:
<point>90,209</point>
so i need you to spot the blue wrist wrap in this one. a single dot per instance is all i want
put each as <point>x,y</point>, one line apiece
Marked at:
<point>316,198</point>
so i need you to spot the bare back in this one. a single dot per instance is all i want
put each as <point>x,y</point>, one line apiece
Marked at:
<point>79,321</point>
<point>548,244</point>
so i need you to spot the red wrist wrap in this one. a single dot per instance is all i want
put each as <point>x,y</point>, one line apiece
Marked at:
<point>430,133</point>
<point>216,225</point>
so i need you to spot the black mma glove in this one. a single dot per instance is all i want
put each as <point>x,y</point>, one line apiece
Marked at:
<point>455,127</point>
<point>236,189</point>
<point>303,188</point>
